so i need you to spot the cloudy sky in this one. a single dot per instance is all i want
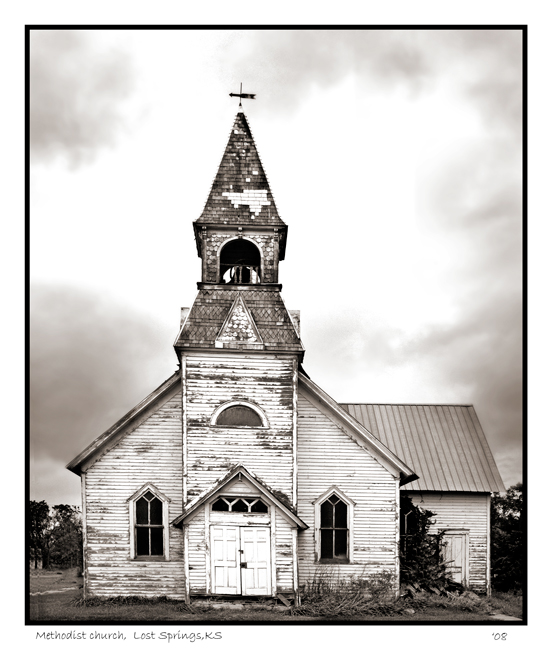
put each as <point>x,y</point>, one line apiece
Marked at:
<point>394,158</point>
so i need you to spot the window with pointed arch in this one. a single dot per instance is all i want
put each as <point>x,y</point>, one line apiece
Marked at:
<point>334,527</point>
<point>149,533</point>
<point>239,414</point>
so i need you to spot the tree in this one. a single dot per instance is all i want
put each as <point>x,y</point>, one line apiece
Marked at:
<point>422,566</point>
<point>39,523</point>
<point>55,534</point>
<point>65,536</point>
<point>507,540</point>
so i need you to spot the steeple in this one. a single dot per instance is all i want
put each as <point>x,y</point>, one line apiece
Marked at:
<point>241,239</point>
<point>240,202</point>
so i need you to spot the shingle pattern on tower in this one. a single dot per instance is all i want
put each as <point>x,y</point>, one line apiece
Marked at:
<point>443,443</point>
<point>240,194</point>
<point>212,306</point>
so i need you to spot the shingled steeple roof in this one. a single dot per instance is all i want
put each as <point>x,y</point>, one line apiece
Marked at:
<point>240,194</point>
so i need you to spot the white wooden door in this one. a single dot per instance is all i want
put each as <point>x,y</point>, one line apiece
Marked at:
<point>255,552</point>
<point>225,560</point>
<point>240,560</point>
<point>456,555</point>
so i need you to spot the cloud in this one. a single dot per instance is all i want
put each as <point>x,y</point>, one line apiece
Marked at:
<point>91,362</point>
<point>484,66</point>
<point>76,95</point>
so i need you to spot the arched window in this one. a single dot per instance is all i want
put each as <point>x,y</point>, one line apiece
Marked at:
<point>239,414</point>
<point>333,527</point>
<point>240,263</point>
<point>149,527</point>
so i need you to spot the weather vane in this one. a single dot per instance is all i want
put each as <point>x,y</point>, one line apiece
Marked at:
<point>242,95</point>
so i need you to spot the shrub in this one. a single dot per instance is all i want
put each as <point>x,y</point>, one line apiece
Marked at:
<point>422,565</point>
<point>329,595</point>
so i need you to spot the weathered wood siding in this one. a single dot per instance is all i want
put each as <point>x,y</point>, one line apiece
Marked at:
<point>267,381</point>
<point>151,453</point>
<point>326,457</point>
<point>284,554</point>
<point>468,511</point>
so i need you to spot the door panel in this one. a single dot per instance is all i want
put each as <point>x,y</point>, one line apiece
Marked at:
<point>455,552</point>
<point>256,556</point>
<point>225,559</point>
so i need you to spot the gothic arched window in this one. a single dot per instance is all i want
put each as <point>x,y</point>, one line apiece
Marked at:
<point>333,527</point>
<point>149,516</point>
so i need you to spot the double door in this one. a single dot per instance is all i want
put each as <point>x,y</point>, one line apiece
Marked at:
<point>240,560</point>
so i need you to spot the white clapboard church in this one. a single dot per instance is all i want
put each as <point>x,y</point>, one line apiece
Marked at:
<point>239,475</point>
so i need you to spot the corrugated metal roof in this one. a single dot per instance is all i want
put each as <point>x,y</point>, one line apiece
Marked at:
<point>444,444</point>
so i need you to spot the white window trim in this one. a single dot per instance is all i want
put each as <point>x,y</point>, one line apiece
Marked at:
<point>250,405</point>
<point>350,523</point>
<point>132,520</point>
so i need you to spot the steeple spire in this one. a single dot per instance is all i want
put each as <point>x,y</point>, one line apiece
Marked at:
<point>240,194</point>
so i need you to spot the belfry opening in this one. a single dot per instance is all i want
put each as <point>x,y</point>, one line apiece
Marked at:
<point>240,263</point>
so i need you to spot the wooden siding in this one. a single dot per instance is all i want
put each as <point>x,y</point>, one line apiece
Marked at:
<point>326,457</point>
<point>151,453</point>
<point>268,382</point>
<point>284,554</point>
<point>463,511</point>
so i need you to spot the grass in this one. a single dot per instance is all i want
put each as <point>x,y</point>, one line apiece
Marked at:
<point>321,603</point>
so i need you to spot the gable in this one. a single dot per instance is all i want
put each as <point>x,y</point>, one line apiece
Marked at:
<point>147,408</point>
<point>354,430</point>
<point>253,485</point>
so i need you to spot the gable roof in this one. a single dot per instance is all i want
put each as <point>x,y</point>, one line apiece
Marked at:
<point>240,194</point>
<point>219,485</point>
<point>444,443</point>
<point>126,424</point>
<point>388,457</point>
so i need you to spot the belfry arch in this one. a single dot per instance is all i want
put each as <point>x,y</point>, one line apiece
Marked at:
<point>240,262</point>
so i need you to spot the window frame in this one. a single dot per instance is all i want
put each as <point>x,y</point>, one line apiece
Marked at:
<point>132,500</point>
<point>236,497</point>
<point>334,490</point>
<point>226,405</point>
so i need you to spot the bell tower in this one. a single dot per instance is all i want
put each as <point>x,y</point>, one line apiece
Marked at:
<point>239,235</point>
<point>238,345</point>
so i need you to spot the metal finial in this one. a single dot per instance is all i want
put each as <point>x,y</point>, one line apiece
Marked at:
<point>242,95</point>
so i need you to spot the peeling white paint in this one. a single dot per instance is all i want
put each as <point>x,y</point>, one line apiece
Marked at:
<point>255,199</point>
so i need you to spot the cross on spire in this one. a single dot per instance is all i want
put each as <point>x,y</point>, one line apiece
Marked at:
<point>242,95</point>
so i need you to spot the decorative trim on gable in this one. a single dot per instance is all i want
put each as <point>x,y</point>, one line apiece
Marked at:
<point>239,328</point>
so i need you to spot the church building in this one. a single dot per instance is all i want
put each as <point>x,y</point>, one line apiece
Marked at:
<point>239,475</point>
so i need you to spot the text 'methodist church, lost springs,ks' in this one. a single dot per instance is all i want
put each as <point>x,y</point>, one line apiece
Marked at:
<point>239,475</point>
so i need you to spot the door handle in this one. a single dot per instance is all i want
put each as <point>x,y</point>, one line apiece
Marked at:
<point>243,565</point>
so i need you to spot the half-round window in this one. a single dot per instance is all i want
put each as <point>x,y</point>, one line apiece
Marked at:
<point>239,416</point>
